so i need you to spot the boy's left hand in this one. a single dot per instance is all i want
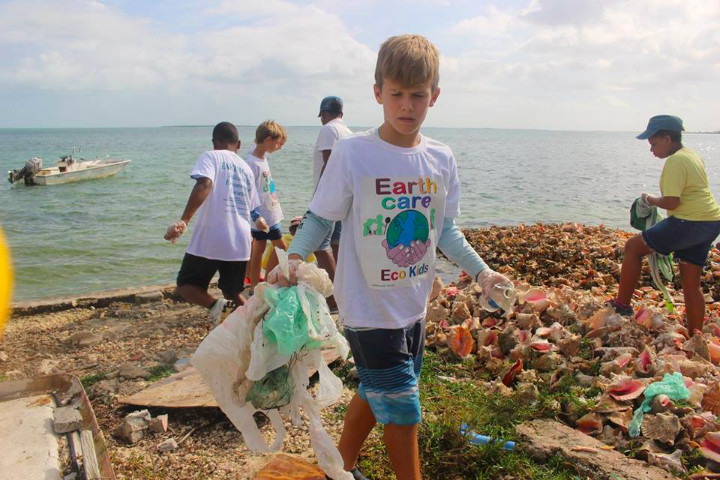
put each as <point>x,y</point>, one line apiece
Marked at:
<point>488,278</point>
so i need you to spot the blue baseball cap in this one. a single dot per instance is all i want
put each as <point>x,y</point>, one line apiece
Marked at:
<point>331,104</point>
<point>661,122</point>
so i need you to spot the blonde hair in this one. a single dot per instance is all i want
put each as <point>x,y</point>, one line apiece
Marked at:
<point>269,128</point>
<point>410,60</point>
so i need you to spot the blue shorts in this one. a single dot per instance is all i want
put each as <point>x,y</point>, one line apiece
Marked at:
<point>388,362</point>
<point>332,238</point>
<point>690,241</point>
<point>273,233</point>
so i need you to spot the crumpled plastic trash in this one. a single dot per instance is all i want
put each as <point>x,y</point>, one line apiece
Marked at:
<point>237,354</point>
<point>671,385</point>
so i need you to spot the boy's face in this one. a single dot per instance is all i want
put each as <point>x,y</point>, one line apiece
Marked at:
<point>660,145</point>
<point>273,145</point>
<point>404,109</point>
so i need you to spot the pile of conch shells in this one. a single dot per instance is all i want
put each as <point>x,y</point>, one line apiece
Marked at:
<point>560,328</point>
<point>575,255</point>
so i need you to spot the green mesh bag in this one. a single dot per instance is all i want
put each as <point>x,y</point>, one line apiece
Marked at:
<point>274,390</point>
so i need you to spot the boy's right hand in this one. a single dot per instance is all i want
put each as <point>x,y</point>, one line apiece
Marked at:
<point>278,277</point>
<point>175,230</point>
<point>261,224</point>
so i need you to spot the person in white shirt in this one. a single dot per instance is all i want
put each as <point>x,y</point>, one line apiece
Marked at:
<point>270,136</point>
<point>397,193</point>
<point>333,129</point>
<point>223,197</point>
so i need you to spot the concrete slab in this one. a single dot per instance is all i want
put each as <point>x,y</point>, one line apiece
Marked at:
<point>30,447</point>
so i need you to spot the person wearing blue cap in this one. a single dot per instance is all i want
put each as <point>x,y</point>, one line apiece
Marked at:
<point>692,225</point>
<point>333,129</point>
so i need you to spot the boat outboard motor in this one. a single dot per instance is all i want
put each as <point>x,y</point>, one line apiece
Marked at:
<point>32,166</point>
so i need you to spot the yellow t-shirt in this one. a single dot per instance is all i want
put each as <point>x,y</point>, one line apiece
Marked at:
<point>270,247</point>
<point>684,176</point>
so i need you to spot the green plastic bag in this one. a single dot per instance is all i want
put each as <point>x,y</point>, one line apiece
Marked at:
<point>671,385</point>
<point>274,390</point>
<point>286,323</point>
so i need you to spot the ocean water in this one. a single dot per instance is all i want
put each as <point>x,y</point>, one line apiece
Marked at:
<point>104,234</point>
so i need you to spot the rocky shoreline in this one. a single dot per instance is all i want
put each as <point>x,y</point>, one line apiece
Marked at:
<point>119,342</point>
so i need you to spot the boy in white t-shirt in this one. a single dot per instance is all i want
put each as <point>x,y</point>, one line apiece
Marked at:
<point>397,194</point>
<point>270,136</point>
<point>223,197</point>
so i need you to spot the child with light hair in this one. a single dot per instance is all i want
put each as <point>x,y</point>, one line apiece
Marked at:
<point>397,194</point>
<point>270,136</point>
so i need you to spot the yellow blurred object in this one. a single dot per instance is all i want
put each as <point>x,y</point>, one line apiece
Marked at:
<point>6,282</point>
<point>270,247</point>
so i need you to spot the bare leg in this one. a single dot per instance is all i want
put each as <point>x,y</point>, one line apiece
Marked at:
<point>402,446</point>
<point>273,260</point>
<point>196,295</point>
<point>635,250</point>
<point>335,249</point>
<point>359,421</point>
<point>258,248</point>
<point>690,276</point>
<point>326,261</point>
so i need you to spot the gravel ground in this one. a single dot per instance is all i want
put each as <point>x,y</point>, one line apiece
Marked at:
<point>107,342</point>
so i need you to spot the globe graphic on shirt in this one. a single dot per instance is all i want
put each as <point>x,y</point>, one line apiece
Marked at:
<point>407,227</point>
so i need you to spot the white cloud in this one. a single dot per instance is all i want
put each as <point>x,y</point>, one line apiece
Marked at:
<point>542,64</point>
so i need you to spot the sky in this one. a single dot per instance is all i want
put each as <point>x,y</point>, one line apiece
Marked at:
<point>540,64</point>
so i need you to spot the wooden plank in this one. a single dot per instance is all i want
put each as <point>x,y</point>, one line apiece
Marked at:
<point>286,467</point>
<point>89,459</point>
<point>188,390</point>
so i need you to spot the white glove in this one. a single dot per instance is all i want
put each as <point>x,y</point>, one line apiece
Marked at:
<point>261,224</point>
<point>284,279</point>
<point>175,230</point>
<point>488,278</point>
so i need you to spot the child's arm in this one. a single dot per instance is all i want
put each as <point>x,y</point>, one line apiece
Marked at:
<point>201,190</point>
<point>453,244</point>
<point>668,203</point>
<point>310,234</point>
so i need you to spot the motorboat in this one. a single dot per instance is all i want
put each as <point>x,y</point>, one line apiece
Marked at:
<point>67,169</point>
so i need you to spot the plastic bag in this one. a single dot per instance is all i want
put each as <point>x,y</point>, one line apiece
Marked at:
<point>244,369</point>
<point>274,390</point>
<point>671,385</point>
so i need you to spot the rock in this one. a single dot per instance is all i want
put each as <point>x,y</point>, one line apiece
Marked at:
<point>105,388</point>
<point>47,367</point>
<point>133,426</point>
<point>181,364</point>
<point>66,419</point>
<point>150,297</point>
<point>168,356</point>
<point>3,357</point>
<point>168,445</point>
<point>159,424</point>
<point>546,438</point>
<point>84,338</point>
<point>14,374</point>
<point>285,467</point>
<point>130,371</point>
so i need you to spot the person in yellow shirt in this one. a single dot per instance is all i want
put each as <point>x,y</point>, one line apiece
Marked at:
<point>692,225</point>
<point>269,261</point>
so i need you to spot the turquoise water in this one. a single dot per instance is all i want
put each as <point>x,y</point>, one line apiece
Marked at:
<point>104,234</point>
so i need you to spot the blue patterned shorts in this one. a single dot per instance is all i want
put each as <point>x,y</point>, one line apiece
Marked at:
<point>388,363</point>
